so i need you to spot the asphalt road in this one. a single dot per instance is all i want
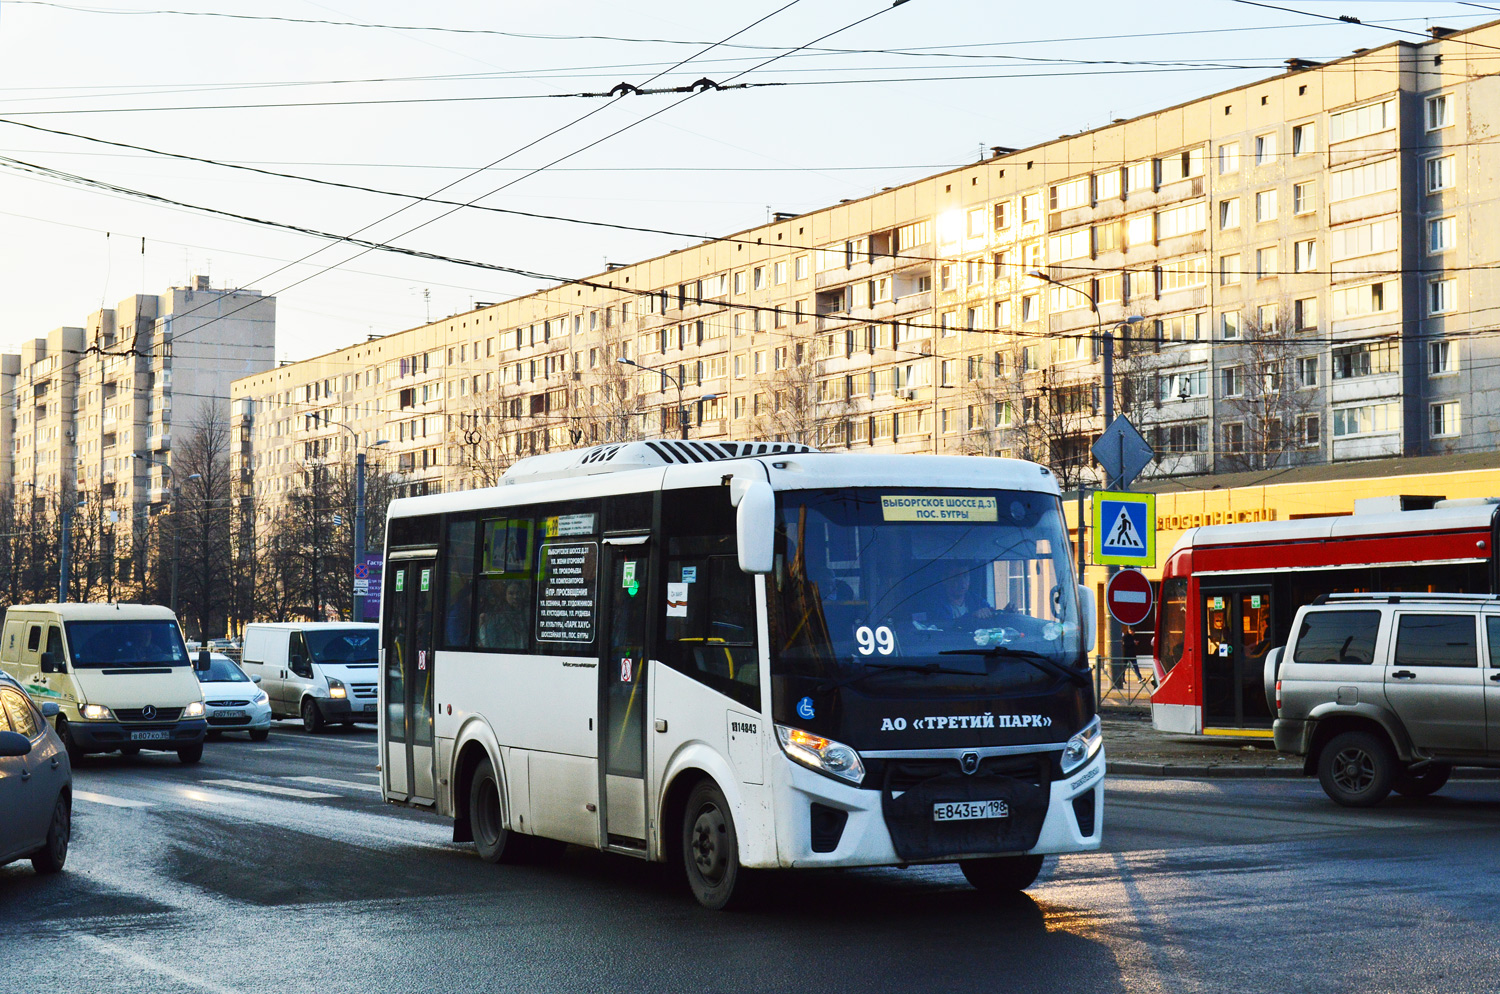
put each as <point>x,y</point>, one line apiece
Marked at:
<point>275,867</point>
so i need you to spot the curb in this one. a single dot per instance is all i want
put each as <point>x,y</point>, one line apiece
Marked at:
<point>1191,772</point>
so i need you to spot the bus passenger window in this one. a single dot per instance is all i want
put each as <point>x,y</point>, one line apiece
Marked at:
<point>458,593</point>
<point>715,642</point>
<point>504,594</point>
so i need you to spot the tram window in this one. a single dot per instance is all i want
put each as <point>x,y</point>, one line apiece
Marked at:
<point>1173,622</point>
<point>458,592</point>
<point>1338,637</point>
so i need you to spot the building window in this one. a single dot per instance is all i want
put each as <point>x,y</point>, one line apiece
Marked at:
<point>1265,149</point>
<point>1444,419</point>
<point>1265,263</point>
<point>1367,359</point>
<point>1265,205</point>
<point>1439,111</point>
<point>1302,139</point>
<point>801,267</point>
<point>1229,325</point>
<point>1229,213</point>
<point>1305,255</point>
<point>1369,419</point>
<point>1303,200</point>
<point>1030,307</point>
<point>1229,158</point>
<point>779,273</point>
<point>1307,371</point>
<point>759,278</point>
<point>977,227</point>
<point>1310,430</point>
<point>739,282</point>
<point>1232,381</point>
<point>1442,296</point>
<point>1002,215</point>
<point>1442,358</point>
<point>1361,121</point>
<point>1002,314</point>
<point>1234,437</point>
<point>1229,270</point>
<point>1441,232</point>
<point>1305,314</point>
<point>1265,319</point>
<point>1439,173</point>
<point>1031,208</point>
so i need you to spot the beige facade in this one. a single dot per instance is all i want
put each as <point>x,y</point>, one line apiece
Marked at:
<point>93,409</point>
<point>1299,270</point>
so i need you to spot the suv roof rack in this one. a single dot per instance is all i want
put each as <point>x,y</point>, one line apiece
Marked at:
<point>1383,598</point>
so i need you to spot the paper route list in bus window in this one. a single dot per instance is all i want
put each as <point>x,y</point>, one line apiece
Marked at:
<point>566,597</point>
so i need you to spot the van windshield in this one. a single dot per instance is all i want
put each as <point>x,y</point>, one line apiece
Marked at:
<point>101,644</point>
<point>342,647</point>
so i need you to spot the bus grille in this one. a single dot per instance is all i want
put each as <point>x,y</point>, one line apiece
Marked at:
<point>134,714</point>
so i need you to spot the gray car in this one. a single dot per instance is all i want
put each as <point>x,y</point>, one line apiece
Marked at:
<point>36,783</point>
<point>1382,692</point>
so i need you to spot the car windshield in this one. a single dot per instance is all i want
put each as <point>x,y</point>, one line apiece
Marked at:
<point>342,646</point>
<point>955,591</point>
<point>126,643</point>
<point>221,669</point>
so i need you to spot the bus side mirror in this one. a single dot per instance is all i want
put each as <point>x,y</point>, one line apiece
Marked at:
<point>49,664</point>
<point>1088,622</point>
<point>755,523</point>
<point>202,665</point>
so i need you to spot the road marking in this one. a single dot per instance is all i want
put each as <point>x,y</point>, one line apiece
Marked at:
<point>209,797</point>
<point>146,963</point>
<point>269,788</point>
<point>114,802</point>
<point>329,782</point>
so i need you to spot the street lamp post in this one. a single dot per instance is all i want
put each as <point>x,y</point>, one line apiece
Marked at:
<point>359,521</point>
<point>682,418</point>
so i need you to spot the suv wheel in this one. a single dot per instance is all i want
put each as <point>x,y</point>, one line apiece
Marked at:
<point>1428,780</point>
<point>1357,769</point>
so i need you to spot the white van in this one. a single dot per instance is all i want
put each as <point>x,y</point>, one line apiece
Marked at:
<point>119,673</point>
<point>322,672</point>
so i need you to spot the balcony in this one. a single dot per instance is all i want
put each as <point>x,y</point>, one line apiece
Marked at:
<point>160,443</point>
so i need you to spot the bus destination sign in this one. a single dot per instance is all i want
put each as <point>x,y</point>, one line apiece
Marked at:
<point>567,599</point>
<point>937,507</point>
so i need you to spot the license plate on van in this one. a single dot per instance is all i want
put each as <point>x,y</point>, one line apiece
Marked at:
<point>153,736</point>
<point>969,810</point>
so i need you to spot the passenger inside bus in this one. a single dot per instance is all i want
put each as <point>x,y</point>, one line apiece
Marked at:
<point>502,617</point>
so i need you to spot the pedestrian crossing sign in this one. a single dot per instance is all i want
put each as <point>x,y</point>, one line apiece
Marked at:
<point>1124,529</point>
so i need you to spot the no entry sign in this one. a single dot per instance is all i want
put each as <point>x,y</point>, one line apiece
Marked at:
<point>1128,597</point>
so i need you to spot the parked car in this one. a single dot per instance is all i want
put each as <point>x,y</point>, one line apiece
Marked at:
<point>120,675</point>
<point>232,701</point>
<point>36,783</point>
<point>321,672</point>
<point>1382,692</point>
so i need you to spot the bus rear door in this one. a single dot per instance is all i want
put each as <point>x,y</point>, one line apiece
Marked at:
<point>407,749</point>
<point>626,570</point>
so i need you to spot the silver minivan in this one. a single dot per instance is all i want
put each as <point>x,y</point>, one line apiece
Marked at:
<point>321,672</point>
<point>1389,691</point>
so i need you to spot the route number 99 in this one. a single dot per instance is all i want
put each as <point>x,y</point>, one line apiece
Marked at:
<point>881,640</point>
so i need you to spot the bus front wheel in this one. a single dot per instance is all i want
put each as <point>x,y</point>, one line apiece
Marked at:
<point>710,849</point>
<point>1002,874</point>
<point>494,842</point>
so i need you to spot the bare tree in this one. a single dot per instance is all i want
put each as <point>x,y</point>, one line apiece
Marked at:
<point>202,524</point>
<point>1265,422</point>
<point>797,409</point>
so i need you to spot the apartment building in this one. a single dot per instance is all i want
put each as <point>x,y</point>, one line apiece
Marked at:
<point>1298,270</point>
<point>93,409</point>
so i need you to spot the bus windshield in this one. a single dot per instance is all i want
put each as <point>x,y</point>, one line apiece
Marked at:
<point>126,643</point>
<point>953,591</point>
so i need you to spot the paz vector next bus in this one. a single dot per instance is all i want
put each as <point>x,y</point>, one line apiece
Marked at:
<point>745,655</point>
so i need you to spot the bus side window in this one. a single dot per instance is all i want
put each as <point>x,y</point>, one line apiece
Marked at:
<point>458,591</point>
<point>715,642</point>
<point>503,595</point>
<point>54,643</point>
<point>34,638</point>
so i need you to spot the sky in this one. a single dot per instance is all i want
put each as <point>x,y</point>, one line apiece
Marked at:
<point>506,107</point>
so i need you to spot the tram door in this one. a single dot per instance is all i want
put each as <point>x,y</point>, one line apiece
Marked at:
<point>1237,634</point>
<point>407,671</point>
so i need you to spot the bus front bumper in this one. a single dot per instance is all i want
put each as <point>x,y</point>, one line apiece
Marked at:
<point>107,736</point>
<point>849,824</point>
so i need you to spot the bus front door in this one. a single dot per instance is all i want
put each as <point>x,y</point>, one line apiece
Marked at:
<point>623,692</point>
<point>407,676</point>
<point>1236,637</point>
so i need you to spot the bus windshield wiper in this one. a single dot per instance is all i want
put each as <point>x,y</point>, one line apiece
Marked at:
<point>1044,663</point>
<point>876,668</point>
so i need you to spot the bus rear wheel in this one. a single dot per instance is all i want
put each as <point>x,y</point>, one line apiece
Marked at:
<point>494,842</point>
<point>710,849</point>
<point>1002,874</point>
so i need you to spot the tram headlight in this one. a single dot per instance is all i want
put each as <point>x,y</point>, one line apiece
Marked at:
<point>823,755</point>
<point>1082,747</point>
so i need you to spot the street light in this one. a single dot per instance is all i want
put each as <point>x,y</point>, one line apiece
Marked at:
<point>682,419</point>
<point>359,511</point>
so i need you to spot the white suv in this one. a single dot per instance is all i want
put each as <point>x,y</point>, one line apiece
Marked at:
<point>1383,692</point>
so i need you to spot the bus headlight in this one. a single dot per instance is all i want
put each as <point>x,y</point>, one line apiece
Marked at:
<point>95,712</point>
<point>336,689</point>
<point>823,755</point>
<point>1082,747</point>
<point>193,710</point>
